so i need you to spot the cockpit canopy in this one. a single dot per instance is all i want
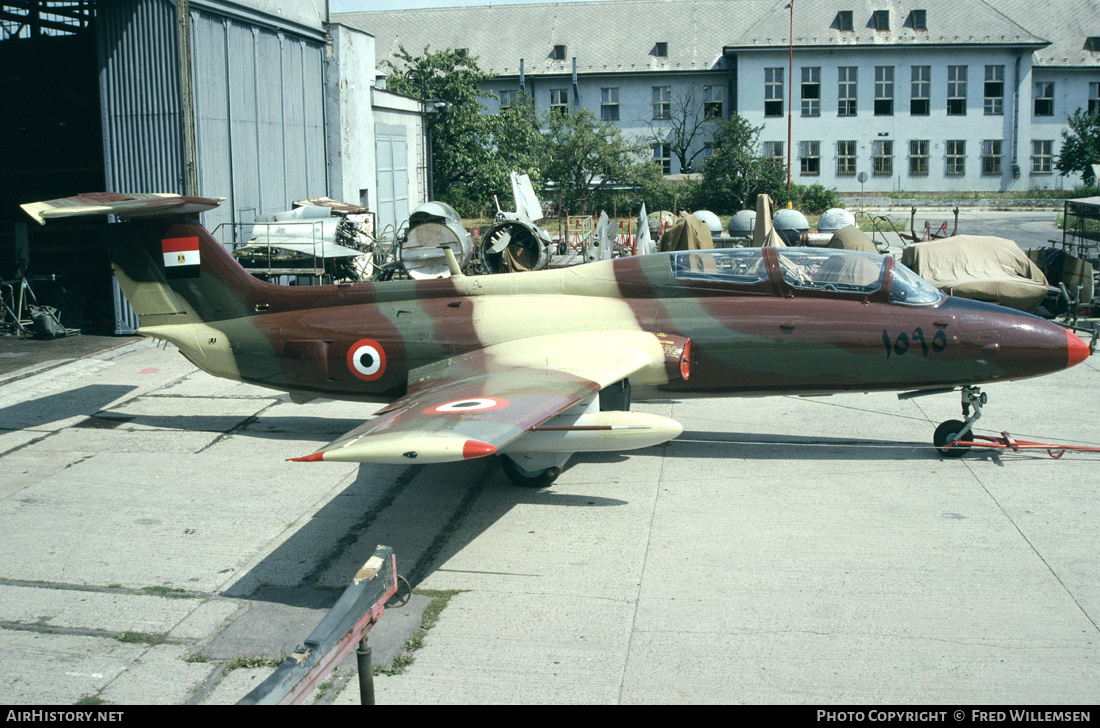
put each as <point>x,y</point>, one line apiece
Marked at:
<point>823,271</point>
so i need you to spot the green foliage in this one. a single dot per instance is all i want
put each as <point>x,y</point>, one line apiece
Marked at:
<point>1080,146</point>
<point>735,173</point>
<point>472,152</point>
<point>811,200</point>
<point>583,157</point>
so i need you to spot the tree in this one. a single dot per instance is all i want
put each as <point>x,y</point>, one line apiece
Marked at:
<point>736,173</point>
<point>686,126</point>
<point>583,156</point>
<point>1081,146</point>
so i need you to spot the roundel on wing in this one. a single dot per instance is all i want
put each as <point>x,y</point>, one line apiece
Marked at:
<point>474,404</point>
<point>367,360</point>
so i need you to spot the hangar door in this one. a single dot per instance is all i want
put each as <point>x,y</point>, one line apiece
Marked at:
<point>392,155</point>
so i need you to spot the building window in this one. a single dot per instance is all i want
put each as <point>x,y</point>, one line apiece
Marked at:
<point>660,50</point>
<point>991,157</point>
<point>846,90</point>
<point>811,91</point>
<point>809,157</point>
<point>884,90</point>
<point>956,90</point>
<point>994,90</point>
<point>956,157</point>
<point>662,102</point>
<point>609,104</point>
<point>920,94</point>
<point>773,92</point>
<point>774,150</point>
<point>507,100</point>
<point>843,22</point>
<point>558,54</point>
<point>1042,156</point>
<point>918,19</point>
<point>1094,98</point>
<point>712,102</point>
<point>708,150</point>
<point>662,155</point>
<point>880,19</point>
<point>918,158</point>
<point>845,158</point>
<point>1044,98</point>
<point>559,100</point>
<point>882,150</point>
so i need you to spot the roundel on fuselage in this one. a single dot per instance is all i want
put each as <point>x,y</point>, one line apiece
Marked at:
<point>367,360</point>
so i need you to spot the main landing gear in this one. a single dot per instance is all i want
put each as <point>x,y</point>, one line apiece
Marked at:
<point>951,431</point>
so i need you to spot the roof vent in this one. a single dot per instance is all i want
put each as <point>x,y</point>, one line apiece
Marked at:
<point>558,54</point>
<point>1092,43</point>
<point>660,50</point>
<point>918,19</point>
<point>880,20</point>
<point>843,20</point>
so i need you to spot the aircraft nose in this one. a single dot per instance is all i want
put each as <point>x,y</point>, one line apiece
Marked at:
<point>1077,349</point>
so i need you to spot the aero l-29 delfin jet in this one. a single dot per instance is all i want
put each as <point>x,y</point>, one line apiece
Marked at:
<point>536,366</point>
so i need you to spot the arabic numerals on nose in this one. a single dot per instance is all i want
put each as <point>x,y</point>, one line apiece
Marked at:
<point>899,345</point>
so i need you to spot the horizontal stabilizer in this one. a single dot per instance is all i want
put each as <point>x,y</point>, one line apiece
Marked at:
<point>155,204</point>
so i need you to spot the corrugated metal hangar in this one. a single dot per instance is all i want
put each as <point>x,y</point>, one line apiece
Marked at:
<point>250,101</point>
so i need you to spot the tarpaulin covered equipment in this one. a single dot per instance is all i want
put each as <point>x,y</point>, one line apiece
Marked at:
<point>983,268</point>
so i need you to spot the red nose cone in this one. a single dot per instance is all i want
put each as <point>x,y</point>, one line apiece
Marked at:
<point>476,449</point>
<point>1078,350</point>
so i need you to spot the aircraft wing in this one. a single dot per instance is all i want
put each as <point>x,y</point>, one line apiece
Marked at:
<point>474,404</point>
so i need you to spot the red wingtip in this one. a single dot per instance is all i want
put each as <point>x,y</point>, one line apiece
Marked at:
<point>315,457</point>
<point>477,449</point>
<point>1078,349</point>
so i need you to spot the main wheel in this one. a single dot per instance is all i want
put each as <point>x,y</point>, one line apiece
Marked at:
<point>949,432</point>
<point>528,478</point>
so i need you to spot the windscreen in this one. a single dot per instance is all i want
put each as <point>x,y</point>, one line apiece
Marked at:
<point>911,289</point>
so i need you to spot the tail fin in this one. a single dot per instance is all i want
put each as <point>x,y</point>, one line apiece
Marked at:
<point>171,269</point>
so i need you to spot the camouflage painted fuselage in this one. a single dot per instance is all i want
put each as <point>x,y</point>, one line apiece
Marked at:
<point>766,337</point>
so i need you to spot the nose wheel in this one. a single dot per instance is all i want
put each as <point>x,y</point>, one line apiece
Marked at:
<point>951,432</point>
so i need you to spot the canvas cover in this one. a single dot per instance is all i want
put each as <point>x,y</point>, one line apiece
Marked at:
<point>983,268</point>
<point>689,233</point>
<point>764,234</point>
<point>852,238</point>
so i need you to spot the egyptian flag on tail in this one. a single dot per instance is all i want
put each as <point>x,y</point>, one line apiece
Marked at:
<point>181,257</point>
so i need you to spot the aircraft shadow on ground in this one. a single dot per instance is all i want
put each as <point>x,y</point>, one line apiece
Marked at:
<point>456,503</point>
<point>40,411</point>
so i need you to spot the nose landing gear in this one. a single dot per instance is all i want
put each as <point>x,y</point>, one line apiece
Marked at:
<point>953,431</point>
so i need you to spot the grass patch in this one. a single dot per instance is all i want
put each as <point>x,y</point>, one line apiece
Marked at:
<point>440,599</point>
<point>164,591</point>
<point>140,638</point>
<point>91,700</point>
<point>250,662</point>
<point>197,658</point>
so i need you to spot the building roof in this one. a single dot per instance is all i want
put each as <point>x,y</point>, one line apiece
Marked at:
<point>946,22</point>
<point>616,36</point>
<point>605,37</point>
<point>1067,24</point>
